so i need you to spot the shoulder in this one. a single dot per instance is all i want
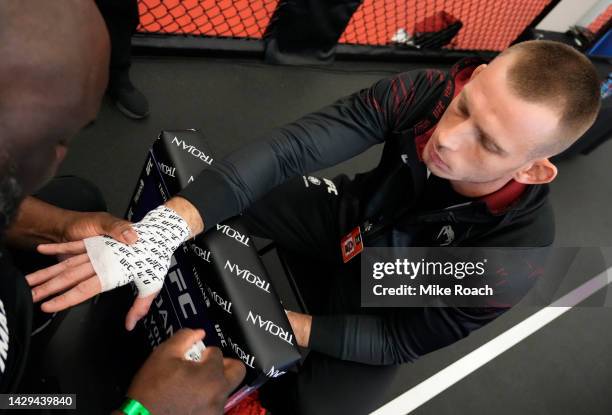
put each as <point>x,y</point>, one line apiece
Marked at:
<point>418,80</point>
<point>408,96</point>
<point>403,84</point>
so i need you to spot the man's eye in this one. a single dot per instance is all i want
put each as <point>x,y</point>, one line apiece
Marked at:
<point>461,110</point>
<point>488,146</point>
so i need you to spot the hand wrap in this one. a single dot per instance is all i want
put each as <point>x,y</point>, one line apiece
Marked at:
<point>144,262</point>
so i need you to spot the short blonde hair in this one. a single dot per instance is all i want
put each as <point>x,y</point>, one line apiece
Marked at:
<point>559,75</point>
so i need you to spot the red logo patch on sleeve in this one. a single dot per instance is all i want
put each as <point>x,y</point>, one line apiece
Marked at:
<point>351,245</point>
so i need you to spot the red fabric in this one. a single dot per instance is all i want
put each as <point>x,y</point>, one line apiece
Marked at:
<point>248,406</point>
<point>597,24</point>
<point>438,21</point>
<point>462,78</point>
<point>499,201</point>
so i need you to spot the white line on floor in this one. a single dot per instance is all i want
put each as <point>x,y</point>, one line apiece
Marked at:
<point>429,388</point>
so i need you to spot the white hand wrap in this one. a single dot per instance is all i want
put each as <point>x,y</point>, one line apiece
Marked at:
<point>195,352</point>
<point>145,262</point>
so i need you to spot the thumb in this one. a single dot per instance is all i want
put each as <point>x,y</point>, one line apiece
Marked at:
<point>182,340</point>
<point>139,309</point>
<point>120,230</point>
<point>234,372</point>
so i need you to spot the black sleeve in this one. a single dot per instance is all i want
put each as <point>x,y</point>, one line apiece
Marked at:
<point>318,140</point>
<point>404,334</point>
<point>15,324</point>
<point>401,336</point>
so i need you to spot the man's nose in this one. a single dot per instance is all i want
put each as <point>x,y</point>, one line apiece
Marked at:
<point>453,138</point>
<point>448,141</point>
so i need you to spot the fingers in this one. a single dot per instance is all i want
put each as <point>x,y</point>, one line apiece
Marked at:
<point>40,276</point>
<point>212,356</point>
<point>120,229</point>
<point>234,371</point>
<point>181,341</point>
<point>139,309</point>
<point>74,248</point>
<point>64,257</point>
<point>66,279</point>
<point>76,295</point>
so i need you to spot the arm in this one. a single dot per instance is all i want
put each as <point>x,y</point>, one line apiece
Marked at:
<point>321,139</point>
<point>38,222</point>
<point>400,336</point>
<point>167,383</point>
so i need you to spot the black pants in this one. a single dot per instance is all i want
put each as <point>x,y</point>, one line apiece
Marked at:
<point>121,17</point>
<point>302,216</point>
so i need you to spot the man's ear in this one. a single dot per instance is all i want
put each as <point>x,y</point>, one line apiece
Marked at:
<point>478,69</point>
<point>539,172</point>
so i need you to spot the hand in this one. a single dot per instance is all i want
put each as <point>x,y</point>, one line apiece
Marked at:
<point>72,254</point>
<point>167,383</point>
<point>81,225</point>
<point>38,222</point>
<point>99,264</point>
<point>301,325</point>
<point>76,276</point>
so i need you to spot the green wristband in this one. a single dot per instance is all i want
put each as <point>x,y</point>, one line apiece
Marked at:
<point>133,407</point>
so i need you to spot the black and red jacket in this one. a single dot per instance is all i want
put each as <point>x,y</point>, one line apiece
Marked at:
<point>400,111</point>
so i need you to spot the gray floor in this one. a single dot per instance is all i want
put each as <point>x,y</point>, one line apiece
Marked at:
<point>565,368</point>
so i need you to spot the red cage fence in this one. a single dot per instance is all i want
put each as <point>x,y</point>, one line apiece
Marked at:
<point>487,25</point>
<point>224,18</point>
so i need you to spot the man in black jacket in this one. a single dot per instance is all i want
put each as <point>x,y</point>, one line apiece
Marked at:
<point>465,163</point>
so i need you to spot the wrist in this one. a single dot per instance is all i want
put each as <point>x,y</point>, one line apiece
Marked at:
<point>61,225</point>
<point>55,223</point>
<point>145,262</point>
<point>301,325</point>
<point>188,212</point>
<point>306,327</point>
<point>36,222</point>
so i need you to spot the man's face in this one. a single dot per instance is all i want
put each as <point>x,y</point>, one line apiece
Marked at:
<point>487,133</point>
<point>51,107</point>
